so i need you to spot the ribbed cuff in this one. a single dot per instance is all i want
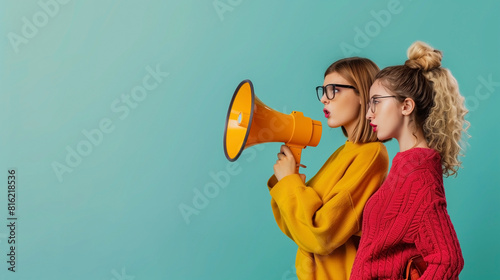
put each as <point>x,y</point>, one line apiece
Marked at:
<point>285,185</point>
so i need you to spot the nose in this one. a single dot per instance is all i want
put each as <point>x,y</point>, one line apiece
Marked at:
<point>369,114</point>
<point>324,100</point>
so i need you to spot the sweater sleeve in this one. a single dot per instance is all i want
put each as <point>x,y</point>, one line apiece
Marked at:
<point>318,226</point>
<point>438,243</point>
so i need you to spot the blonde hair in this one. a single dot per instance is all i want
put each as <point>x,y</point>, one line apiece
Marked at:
<point>360,73</point>
<point>439,107</point>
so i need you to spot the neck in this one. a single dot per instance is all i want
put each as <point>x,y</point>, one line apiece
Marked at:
<point>409,139</point>
<point>349,129</point>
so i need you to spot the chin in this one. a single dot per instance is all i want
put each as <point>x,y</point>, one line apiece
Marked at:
<point>383,137</point>
<point>333,124</point>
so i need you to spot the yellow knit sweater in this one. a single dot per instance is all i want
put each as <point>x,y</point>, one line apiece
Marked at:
<point>324,217</point>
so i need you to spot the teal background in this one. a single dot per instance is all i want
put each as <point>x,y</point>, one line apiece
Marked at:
<point>116,214</point>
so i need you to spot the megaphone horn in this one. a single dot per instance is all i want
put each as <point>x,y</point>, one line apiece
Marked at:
<point>250,122</point>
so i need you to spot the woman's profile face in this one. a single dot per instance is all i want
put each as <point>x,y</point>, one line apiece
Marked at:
<point>344,108</point>
<point>384,112</point>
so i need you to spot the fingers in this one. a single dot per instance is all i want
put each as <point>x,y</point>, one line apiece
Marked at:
<point>281,156</point>
<point>286,151</point>
<point>283,168</point>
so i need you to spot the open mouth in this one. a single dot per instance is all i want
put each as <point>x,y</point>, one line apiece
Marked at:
<point>374,127</point>
<point>327,113</point>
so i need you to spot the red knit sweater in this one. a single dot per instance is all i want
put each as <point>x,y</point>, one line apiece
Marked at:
<point>406,217</point>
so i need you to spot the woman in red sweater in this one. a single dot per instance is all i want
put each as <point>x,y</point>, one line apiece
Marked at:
<point>419,105</point>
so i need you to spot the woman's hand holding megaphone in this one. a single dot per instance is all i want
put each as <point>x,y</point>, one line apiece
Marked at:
<point>286,164</point>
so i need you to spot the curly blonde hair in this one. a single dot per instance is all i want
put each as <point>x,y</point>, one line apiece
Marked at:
<point>439,107</point>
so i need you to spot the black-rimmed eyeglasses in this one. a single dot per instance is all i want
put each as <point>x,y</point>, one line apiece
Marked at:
<point>330,90</point>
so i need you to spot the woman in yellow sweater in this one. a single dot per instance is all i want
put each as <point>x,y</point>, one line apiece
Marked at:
<point>323,216</point>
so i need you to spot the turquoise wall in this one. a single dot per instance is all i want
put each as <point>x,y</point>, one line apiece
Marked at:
<point>112,116</point>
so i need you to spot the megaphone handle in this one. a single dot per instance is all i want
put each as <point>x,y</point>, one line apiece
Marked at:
<point>297,152</point>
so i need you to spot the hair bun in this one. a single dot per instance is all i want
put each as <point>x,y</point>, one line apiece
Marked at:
<point>422,56</point>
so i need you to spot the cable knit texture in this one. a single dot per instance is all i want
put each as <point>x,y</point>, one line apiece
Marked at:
<point>407,217</point>
<point>323,217</point>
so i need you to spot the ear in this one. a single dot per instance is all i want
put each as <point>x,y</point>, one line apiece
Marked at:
<point>408,106</point>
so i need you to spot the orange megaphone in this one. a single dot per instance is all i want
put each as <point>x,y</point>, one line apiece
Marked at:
<point>250,122</point>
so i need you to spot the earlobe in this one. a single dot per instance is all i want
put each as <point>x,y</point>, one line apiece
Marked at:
<point>408,106</point>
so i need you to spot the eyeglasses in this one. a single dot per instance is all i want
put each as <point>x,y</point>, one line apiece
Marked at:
<point>374,101</point>
<point>330,90</point>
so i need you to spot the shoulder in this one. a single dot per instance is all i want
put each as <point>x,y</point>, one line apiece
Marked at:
<point>419,157</point>
<point>420,179</point>
<point>416,161</point>
<point>372,155</point>
<point>423,175</point>
<point>371,150</point>
<point>370,147</point>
